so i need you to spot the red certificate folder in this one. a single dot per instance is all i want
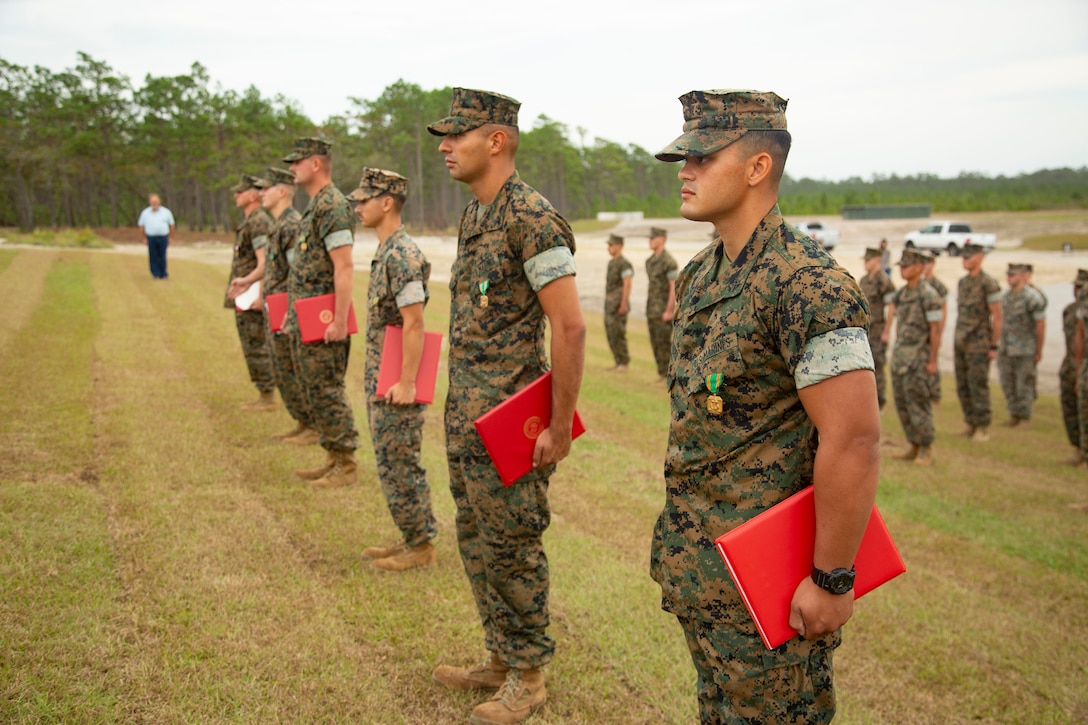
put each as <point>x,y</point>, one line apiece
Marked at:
<point>277,310</point>
<point>770,554</point>
<point>315,315</point>
<point>510,429</point>
<point>389,370</point>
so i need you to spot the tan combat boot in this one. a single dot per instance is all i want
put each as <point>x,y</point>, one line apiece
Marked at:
<point>489,676</point>
<point>521,695</point>
<point>968,431</point>
<point>284,436</point>
<point>925,456</point>
<point>910,455</point>
<point>312,474</point>
<point>344,472</point>
<point>981,435</point>
<point>305,437</point>
<point>380,552</point>
<point>407,557</point>
<point>264,404</point>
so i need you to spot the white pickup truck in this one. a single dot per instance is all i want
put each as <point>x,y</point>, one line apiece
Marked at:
<point>826,236</point>
<point>948,237</point>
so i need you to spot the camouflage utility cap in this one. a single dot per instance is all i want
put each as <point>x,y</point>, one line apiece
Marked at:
<point>1015,268</point>
<point>970,250</point>
<point>871,253</point>
<point>656,232</point>
<point>471,109</point>
<point>308,146</point>
<point>1082,277</point>
<point>275,176</point>
<point>911,256</point>
<point>615,239</point>
<point>715,119</point>
<point>376,182</point>
<point>249,181</point>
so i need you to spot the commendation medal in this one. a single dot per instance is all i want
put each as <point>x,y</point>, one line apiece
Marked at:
<point>714,402</point>
<point>483,294</point>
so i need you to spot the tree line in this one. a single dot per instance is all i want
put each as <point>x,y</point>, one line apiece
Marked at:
<point>84,147</point>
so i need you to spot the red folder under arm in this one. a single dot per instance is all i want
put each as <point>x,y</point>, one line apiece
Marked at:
<point>770,554</point>
<point>392,358</point>
<point>510,429</point>
<point>315,314</point>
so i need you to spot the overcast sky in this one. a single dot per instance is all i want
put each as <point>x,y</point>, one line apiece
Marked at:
<point>989,86</point>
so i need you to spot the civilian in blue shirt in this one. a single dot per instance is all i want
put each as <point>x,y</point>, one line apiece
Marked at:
<point>157,224</point>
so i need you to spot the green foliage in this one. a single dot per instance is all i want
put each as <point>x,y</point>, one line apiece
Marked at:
<point>85,146</point>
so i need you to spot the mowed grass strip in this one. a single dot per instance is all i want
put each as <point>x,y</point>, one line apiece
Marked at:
<point>22,279</point>
<point>227,619</point>
<point>58,595</point>
<point>200,581</point>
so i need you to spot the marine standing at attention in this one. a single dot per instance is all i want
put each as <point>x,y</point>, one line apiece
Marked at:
<point>277,191</point>
<point>514,271</point>
<point>977,333</point>
<point>917,321</point>
<point>771,387</point>
<point>1023,335</point>
<point>247,267</point>
<point>617,302</point>
<point>661,272</point>
<point>396,296</point>
<point>323,265</point>
<point>878,289</point>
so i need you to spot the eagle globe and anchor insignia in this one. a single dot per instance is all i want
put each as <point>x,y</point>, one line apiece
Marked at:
<point>533,427</point>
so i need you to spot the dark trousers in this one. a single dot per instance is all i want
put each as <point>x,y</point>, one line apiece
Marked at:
<point>156,256</point>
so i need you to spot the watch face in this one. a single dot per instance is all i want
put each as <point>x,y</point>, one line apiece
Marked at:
<point>841,583</point>
<point>836,581</point>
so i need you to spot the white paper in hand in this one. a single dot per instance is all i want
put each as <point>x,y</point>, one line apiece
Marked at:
<point>245,300</point>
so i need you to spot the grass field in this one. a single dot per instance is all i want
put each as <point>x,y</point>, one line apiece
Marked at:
<point>159,563</point>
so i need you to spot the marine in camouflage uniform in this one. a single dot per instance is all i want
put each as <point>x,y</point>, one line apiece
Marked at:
<point>617,293</point>
<point>942,289</point>
<point>1067,372</point>
<point>396,295</point>
<point>327,225</point>
<point>978,330</point>
<point>917,321</point>
<point>661,271</point>
<point>515,254</point>
<point>766,326</point>
<point>277,191</point>
<point>878,289</point>
<point>1081,363</point>
<point>250,240</point>
<point>1023,330</point>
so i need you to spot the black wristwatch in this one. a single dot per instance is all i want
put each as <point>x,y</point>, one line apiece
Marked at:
<point>836,581</point>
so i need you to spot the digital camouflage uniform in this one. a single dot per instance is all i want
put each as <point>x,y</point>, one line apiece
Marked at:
<point>660,269</point>
<point>327,223</point>
<point>277,269</point>
<point>1081,314</point>
<point>250,235</point>
<point>1067,375</point>
<point>782,314</point>
<point>1016,353</point>
<point>935,379</point>
<point>398,278</point>
<point>971,347</point>
<point>915,309</point>
<point>615,324</point>
<point>507,252</point>
<point>878,289</point>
